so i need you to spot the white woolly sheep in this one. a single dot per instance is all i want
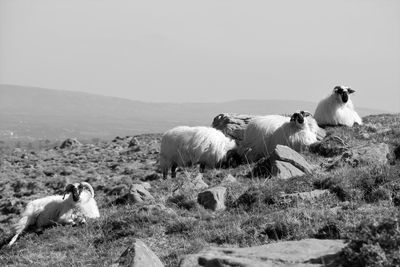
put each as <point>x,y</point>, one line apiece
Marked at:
<point>57,209</point>
<point>337,109</point>
<point>264,133</point>
<point>184,146</point>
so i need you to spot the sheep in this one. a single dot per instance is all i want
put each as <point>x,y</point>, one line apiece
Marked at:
<point>337,109</point>
<point>264,133</point>
<point>57,209</point>
<point>184,146</point>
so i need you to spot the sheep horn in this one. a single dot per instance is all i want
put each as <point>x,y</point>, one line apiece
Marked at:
<point>89,187</point>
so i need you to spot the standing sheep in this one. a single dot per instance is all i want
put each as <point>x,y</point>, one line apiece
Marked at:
<point>184,146</point>
<point>57,209</point>
<point>337,109</point>
<point>264,133</point>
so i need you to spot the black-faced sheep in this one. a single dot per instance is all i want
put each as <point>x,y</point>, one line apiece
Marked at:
<point>57,209</point>
<point>264,133</point>
<point>184,146</point>
<point>337,109</point>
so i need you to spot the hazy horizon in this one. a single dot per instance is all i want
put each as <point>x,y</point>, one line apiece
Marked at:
<point>185,52</point>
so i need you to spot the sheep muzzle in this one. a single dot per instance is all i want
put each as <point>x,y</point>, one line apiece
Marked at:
<point>345,97</point>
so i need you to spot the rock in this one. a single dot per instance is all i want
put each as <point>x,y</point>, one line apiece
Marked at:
<point>137,194</point>
<point>117,190</point>
<point>377,154</point>
<point>284,170</point>
<point>70,143</point>
<point>306,252</point>
<point>229,179</point>
<point>286,154</point>
<point>232,125</point>
<point>192,184</point>
<point>329,147</point>
<point>283,163</point>
<point>138,255</point>
<point>213,198</point>
<point>315,194</point>
<point>134,142</point>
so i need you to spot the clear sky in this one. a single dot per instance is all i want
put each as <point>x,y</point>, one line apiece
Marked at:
<point>208,50</point>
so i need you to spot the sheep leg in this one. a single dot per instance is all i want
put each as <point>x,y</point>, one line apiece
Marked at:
<point>202,167</point>
<point>19,228</point>
<point>173,170</point>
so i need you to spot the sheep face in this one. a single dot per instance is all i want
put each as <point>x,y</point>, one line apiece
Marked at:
<point>79,191</point>
<point>298,119</point>
<point>342,93</point>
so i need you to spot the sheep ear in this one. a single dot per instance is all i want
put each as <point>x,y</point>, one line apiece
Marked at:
<point>350,91</point>
<point>88,187</point>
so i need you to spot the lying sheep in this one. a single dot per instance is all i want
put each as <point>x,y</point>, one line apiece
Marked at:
<point>264,133</point>
<point>184,146</point>
<point>337,109</point>
<point>57,209</point>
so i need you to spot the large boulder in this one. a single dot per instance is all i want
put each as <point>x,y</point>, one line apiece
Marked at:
<point>283,163</point>
<point>138,255</point>
<point>213,198</point>
<point>285,170</point>
<point>286,154</point>
<point>232,125</point>
<point>307,252</point>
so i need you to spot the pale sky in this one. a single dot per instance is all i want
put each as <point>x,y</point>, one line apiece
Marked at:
<point>203,51</point>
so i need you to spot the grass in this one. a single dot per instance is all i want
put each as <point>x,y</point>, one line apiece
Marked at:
<point>361,208</point>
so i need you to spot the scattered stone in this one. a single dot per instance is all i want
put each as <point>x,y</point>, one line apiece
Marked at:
<point>137,194</point>
<point>70,143</point>
<point>229,179</point>
<point>232,125</point>
<point>286,154</point>
<point>306,252</point>
<point>117,190</point>
<point>134,142</point>
<point>138,255</point>
<point>315,194</point>
<point>213,198</point>
<point>329,147</point>
<point>284,170</point>
<point>195,184</point>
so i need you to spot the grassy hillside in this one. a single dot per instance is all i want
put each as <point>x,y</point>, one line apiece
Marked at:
<point>29,113</point>
<point>362,206</point>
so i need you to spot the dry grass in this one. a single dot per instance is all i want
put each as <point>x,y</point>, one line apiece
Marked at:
<point>255,213</point>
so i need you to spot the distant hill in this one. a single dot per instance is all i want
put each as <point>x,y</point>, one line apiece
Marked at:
<point>29,113</point>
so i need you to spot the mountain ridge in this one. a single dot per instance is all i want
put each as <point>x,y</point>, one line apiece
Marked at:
<point>38,113</point>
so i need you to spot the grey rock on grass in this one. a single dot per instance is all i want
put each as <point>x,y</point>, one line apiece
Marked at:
<point>213,198</point>
<point>138,255</point>
<point>306,252</point>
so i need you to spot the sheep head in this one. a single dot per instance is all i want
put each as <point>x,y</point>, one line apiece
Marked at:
<point>77,189</point>
<point>342,93</point>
